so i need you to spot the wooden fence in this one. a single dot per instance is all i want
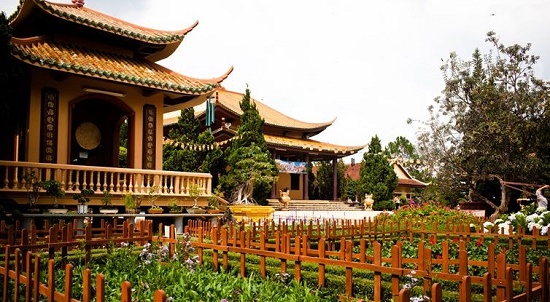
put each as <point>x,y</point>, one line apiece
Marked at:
<point>327,243</point>
<point>297,250</point>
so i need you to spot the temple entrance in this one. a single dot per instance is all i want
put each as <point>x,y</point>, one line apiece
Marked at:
<point>95,131</point>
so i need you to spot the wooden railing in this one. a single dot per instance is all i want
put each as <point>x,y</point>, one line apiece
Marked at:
<point>297,249</point>
<point>293,247</point>
<point>118,180</point>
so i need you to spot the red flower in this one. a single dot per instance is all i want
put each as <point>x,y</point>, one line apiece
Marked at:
<point>455,239</point>
<point>479,241</point>
<point>432,240</point>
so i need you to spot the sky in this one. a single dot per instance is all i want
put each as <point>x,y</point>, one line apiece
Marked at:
<point>370,65</point>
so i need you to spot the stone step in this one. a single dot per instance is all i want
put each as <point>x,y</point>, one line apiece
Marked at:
<point>315,205</point>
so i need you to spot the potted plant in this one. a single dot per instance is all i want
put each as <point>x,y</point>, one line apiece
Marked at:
<point>194,192</point>
<point>55,189</point>
<point>106,205</point>
<point>154,193</point>
<point>83,199</point>
<point>131,203</point>
<point>173,206</point>
<point>33,187</point>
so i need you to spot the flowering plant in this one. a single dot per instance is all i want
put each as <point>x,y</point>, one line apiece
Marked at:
<point>528,219</point>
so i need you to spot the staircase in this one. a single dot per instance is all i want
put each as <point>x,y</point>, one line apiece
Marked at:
<point>316,205</point>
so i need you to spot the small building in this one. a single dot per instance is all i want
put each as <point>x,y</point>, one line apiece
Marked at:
<point>405,182</point>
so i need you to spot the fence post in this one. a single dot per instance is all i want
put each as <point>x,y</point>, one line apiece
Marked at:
<point>404,296</point>
<point>160,296</point>
<point>297,262</point>
<point>68,282</point>
<point>126,292</point>
<point>509,284</point>
<point>17,270</point>
<point>487,285</point>
<point>262,257</point>
<point>36,278</point>
<point>465,289</point>
<point>396,262</point>
<point>51,280</point>
<point>321,270</point>
<point>243,255</point>
<point>86,285</point>
<point>28,272</point>
<point>349,270</point>
<point>463,258</point>
<point>88,240</point>
<point>543,278</point>
<point>6,273</point>
<point>377,274</point>
<point>225,255</point>
<point>501,275</point>
<point>437,293</point>
<point>100,288</point>
<point>528,282</point>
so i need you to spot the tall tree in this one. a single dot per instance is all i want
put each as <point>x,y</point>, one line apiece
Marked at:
<point>487,124</point>
<point>191,150</point>
<point>377,177</point>
<point>252,171</point>
<point>183,155</point>
<point>403,150</point>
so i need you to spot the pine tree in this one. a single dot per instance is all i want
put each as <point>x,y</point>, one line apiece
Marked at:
<point>377,177</point>
<point>251,168</point>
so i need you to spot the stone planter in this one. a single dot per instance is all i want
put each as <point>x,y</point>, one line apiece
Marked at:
<point>196,211</point>
<point>57,211</point>
<point>155,211</point>
<point>108,211</point>
<point>251,212</point>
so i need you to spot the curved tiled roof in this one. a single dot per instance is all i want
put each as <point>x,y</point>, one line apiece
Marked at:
<point>311,145</point>
<point>231,101</point>
<point>94,19</point>
<point>115,67</point>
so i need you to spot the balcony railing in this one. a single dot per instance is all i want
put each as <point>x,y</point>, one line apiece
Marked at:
<point>73,178</point>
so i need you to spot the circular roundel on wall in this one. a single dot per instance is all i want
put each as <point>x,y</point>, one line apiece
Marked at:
<point>88,136</point>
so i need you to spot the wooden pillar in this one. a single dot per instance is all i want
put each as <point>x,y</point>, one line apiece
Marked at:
<point>306,179</point>
<point>274,185</point>
<point>335,178</point>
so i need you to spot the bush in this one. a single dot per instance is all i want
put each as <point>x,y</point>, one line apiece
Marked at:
<point>385,205</point>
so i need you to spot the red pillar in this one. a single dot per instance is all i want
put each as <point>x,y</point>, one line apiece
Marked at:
<point>335,178</point>
<point>274,185</point>
<point>306,180</point>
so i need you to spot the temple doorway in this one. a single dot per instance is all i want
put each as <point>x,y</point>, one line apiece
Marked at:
<point>96,132</point>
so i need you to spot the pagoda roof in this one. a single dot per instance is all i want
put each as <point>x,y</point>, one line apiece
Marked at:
<point>166,41</point>
<point>101,64</point>
<point>311,145</point>
<point>319,149</point>
<point>230,101</point>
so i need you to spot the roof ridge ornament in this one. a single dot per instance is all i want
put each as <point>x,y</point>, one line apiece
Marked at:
<point>78,3</point>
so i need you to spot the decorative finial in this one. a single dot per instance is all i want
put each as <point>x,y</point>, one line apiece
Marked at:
<point>79,3</point>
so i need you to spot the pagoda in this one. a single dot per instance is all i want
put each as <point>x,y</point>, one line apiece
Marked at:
<point>86,75</point>
<point>288,139</point>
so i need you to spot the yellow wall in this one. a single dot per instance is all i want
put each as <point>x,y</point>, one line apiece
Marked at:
<point>284,182</point>
<point>70,89</point>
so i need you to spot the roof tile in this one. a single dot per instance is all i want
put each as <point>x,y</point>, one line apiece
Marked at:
<point>91,18</point>
<point>108,66</point>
